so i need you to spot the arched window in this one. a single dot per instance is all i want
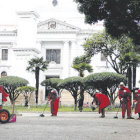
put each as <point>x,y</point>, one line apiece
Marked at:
<point>4,73</point>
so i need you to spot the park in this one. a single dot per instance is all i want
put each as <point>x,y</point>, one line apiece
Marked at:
<point>70,70</point>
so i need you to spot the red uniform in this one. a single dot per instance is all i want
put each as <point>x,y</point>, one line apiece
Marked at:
<point>103,102</point>
<point>54,103</point>
<point>137,97</point>
<point>4,94</point>
<point>125,98</point>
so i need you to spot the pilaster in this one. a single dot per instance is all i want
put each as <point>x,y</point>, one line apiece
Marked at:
<point>66,60</point>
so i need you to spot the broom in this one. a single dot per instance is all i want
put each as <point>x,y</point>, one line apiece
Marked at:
<point>116,117</point>
<point>42,115</point>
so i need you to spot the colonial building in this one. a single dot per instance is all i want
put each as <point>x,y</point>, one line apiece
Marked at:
<point>57,41</point>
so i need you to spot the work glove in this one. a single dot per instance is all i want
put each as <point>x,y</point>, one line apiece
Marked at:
<point>121,101</point>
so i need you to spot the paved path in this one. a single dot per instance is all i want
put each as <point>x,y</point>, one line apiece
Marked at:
<point>70,126</point>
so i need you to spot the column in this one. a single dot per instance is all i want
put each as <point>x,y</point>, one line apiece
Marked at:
<point>74,53</point>
<point>65,60</point>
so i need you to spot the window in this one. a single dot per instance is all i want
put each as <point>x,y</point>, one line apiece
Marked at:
<point>3,74</point>
<point>53,55</point>
<point>4,54</point>
<point>103,57</point>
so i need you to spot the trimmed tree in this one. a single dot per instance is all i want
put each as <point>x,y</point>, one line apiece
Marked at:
<point>74,85</point>
<point>52,83</point>
<point>10,84</point>
<point>106,82</point>
<point>35,65</point>
<point>26,91</point>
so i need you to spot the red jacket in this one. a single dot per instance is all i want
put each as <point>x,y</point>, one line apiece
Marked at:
<point>122,94</point>
<point>103,100</point>
<point>137,97</point>
<point>4,94</point>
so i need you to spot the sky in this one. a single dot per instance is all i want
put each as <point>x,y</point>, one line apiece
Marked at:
<point>66,10</point>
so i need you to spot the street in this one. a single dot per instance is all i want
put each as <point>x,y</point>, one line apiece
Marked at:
<point>71,126</point>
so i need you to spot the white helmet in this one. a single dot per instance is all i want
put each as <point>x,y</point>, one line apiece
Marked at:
<point>97,91</point>
<point>122,84</point>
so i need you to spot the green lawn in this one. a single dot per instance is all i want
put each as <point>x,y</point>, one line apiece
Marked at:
<point>40,108</point>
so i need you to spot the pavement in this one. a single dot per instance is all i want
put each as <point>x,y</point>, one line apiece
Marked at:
<point>71,126</point>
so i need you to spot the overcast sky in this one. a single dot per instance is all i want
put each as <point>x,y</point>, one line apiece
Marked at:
<point>66,10</point>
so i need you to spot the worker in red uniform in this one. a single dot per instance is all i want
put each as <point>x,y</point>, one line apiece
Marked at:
<point>54,101</point>
<point>4,94</point>
<point>137,102</point>
<point>125,100</point>
<point>102,101</point>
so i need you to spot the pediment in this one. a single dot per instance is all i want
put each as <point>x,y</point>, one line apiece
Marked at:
<point>55,25</point>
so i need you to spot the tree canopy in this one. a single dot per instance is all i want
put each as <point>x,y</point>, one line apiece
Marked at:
<point>106,82</point>
<point>81,64</point>
<point>35,65</point>
<point>51,83</point>
<point>120,17</point>
<point>118,52</point>
<point>10,83</point>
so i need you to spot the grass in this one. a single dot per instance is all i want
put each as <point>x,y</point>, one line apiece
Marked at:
<point>40,108</point>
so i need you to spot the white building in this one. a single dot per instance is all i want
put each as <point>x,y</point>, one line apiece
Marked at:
<point>57,41</point>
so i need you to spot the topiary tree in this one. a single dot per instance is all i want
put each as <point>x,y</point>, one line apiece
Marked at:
<point>106,82</point>
<point>74,85</point>
<point>26,91</point>
<point>35,65</point>
<point>52,83</point>
<point>10,84</point>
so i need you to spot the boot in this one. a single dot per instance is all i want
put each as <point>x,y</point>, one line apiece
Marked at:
<point>103,116</point>
<point>130,117</point>
<point>139,117</point>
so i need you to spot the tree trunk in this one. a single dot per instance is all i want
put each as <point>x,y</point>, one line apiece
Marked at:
<point>26,101</point>
<point>134,75</point>
<point>81,74</point>
<point>81,100</point>
<point>13,107</point>
<point>37,83</point>
<point>75,103</point>
<point>129,75</point>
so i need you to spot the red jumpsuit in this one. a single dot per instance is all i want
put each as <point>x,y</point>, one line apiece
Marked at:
<point>125,98</point>
<point>54,103</point>
<point>103,102</point>
<point>4,95</point>
<point>137,97</point>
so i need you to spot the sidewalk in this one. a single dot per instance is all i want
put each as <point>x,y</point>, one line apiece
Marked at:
<point>70,126</point>
<point>74,114</point>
